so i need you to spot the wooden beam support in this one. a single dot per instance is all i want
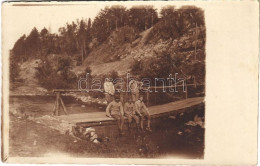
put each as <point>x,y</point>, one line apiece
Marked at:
<point>54,108</point>
<point>63,106</point>
<point>57,104</point>
<point>186,93</point>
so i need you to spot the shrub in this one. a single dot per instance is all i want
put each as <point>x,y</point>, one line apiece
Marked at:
<point>58,75</point>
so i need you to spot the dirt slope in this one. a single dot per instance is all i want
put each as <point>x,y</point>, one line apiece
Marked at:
<point>29,84</point>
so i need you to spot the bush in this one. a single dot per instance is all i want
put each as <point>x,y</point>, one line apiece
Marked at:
<point>125,34</point>
<point>137,67</point>
<point>159,66</point>
<point>14,69</point>
<point>58,75</point>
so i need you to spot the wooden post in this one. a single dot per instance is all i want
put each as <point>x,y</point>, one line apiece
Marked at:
<point>54,108</point>
<point>63,106</point>
<point>57,104</point>
<point>186,93</point>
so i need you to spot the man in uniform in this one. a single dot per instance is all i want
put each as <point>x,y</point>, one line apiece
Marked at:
<point>109,90</point>
<point>115,110</point>
<point>129,110</point>
<point>143,112</point>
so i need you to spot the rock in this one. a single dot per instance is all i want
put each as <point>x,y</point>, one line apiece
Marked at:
<point>96,141</point>
<point>172,117</point>
<point>187,131</point>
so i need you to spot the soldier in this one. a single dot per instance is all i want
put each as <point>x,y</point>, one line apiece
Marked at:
<point>134,89</point>
<point>129,110</point>
<point>143,112</point>
<point>109,90</point>
<point>115,110</point>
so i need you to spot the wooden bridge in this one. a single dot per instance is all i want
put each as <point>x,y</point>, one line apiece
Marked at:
<point>100,118</point>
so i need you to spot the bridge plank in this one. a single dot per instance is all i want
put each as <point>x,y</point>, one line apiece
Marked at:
<point>93,117</point>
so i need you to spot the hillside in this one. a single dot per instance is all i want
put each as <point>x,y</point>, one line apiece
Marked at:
<point>29,83</point>
<point>122,49</point>
<point>118,53</point>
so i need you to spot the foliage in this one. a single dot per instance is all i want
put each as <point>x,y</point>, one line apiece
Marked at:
<point>158,67</point>
<point>77,39</point>
<point>59,76</point>
<point>143,17</point>
<point>176,22</point>
<point>14,69</point>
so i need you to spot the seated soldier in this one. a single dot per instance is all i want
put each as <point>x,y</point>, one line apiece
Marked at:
<point>129,110</point>
<point>115,110</point>
<point>142,111</point>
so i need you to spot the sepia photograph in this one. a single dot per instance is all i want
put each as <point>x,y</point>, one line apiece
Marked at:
<point>128,82</point>
<point>106,80</point>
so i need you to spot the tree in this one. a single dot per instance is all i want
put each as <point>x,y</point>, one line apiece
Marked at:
<point>68,40</point>
<point>14,68</point>
<point>44,32</point>
<point>33,43</point>
<point>108,20</point>
<point>82,35</point>
<point>19,50</point>
<point>142,17</point>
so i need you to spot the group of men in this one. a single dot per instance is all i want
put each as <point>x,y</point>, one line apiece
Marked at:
<point>132,110</point>
<point>133,107</point>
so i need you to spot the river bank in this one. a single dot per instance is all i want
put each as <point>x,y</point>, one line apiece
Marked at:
<point>170,137</point>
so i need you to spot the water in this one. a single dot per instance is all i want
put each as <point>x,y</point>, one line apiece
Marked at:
<point>43,105</point>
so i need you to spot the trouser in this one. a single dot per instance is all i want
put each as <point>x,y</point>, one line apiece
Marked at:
<point>130,118</point>
<point>108,98</point>
<point>120,121</point>
<point>135,96</point>
<point>145,115</point>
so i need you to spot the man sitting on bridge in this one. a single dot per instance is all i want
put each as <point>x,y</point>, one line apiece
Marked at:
<point>143,112</point>
<point>115,110</point>
<point>129,110</point>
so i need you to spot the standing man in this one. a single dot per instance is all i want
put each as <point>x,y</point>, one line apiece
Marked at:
<point>134,89</point>
<point>143,112</point>
<point>129,110</point>
<point>115,110</point>
<point>109,90</point>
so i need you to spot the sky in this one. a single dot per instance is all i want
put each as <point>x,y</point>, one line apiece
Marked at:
<point>24,18</point>
<point>18,19</point>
